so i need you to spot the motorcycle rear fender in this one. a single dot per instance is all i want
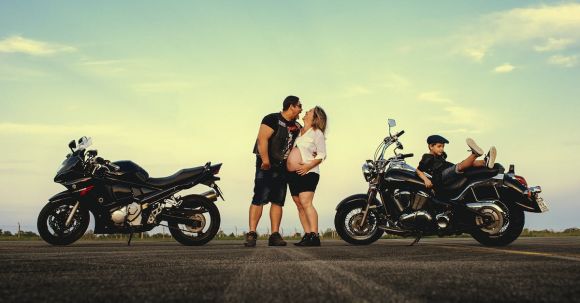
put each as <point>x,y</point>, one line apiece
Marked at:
<point>355,198</point>
<point>514,192</point>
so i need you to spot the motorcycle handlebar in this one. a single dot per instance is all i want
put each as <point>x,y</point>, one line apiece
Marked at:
<point>399,133</point>
<point>403,156</point>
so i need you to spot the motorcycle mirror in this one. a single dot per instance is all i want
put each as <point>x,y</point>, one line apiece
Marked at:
<point>72,145</point>
<point>392,123</point>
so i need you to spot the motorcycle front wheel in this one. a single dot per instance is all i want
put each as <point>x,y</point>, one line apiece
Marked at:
<point>346,222</point>
<point>52,227</point>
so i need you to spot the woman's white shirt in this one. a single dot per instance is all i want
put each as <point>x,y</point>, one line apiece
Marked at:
<point>309,143</point>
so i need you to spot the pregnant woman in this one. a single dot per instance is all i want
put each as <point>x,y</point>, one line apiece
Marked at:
<point>303,172</point>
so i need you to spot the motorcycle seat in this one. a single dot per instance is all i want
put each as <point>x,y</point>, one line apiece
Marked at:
<point>178,177</point>
<point>470,175</point>
<point>483,172</point>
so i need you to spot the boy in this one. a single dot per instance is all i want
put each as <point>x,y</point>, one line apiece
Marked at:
<point>443,172</point>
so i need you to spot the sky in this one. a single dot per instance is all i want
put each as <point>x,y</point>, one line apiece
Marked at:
<point>175,84</point>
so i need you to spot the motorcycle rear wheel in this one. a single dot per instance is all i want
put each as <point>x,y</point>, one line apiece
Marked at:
<point>510,231</point>
<point>193,236</point>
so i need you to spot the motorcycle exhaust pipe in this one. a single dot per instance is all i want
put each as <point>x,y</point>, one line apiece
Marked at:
<point>415,217</point>
<point>442,221</point>
<point>210,194</point>
<point>395,231</point>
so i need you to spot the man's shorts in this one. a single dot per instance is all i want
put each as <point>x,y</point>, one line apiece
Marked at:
<point>450,175</point>
<point>270,186</point>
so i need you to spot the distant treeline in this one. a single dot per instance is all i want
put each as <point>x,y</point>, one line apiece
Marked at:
<point>326,234</point>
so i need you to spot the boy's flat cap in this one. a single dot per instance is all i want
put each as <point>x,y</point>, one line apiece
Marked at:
<point>436,139</point>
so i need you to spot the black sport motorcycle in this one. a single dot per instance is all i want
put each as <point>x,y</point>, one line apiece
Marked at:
<point>488,204</point>
<point>125,200</point>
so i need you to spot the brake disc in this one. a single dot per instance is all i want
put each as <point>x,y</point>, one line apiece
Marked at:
<point>495,220</point>
<point>354,221</point>
<point>201,219</point>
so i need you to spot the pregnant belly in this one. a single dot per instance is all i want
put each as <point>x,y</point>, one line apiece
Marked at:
<point>294,160</point>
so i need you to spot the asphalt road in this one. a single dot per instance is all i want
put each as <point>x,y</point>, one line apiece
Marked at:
<point>435,270</point>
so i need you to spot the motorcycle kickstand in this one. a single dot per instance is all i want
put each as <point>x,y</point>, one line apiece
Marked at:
<point>130,237</point>
<point>417,238</point>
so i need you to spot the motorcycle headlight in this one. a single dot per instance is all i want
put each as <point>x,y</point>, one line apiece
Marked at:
<point>368,170</point>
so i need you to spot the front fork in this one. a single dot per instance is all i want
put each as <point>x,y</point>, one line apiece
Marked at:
<point>72,214</point>
<point>372,194</point>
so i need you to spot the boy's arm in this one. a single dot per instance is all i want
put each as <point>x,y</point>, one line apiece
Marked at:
<point>423,177</point>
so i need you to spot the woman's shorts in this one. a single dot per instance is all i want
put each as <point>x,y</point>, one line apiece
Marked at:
<point>299,184</point>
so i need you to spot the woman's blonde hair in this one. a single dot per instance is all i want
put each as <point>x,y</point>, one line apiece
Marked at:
<point>319,119</point>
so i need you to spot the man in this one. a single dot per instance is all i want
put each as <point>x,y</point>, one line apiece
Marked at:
<point>276,137</point>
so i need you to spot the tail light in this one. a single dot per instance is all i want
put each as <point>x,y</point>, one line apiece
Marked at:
<point>522,180</point>
<point>216,170</point>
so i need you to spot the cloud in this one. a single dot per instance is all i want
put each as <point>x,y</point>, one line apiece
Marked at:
<point>452,116</point>
<point>566,61</point>
<point>554,45</point>
<point>18,44</point>
<point>51,129</point>
<point>522,27</point>
<point>396,82</point>
<point>504,68</point>
<point>434,97</point>
<point>476,54</point>
<point>163,87</point>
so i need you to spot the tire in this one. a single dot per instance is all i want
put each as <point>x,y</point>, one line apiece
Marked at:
<point>347,233</point>
<point>52,218</point>
<point>209,209</point>
<point>512,230</point>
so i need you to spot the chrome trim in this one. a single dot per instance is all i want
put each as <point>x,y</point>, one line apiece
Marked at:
<point>413,216</point>
<point>402,165</point>
<point>442,220</point>
<point>479,205</point>
<point>533,190</point>
<point>488,181</point>
<point>525,206</point>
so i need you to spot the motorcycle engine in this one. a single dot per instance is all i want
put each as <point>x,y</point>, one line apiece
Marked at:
<point>407,200</point>
<point>130,214</point>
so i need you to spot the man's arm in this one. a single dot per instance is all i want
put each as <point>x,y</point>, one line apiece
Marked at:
<point>264,135</point>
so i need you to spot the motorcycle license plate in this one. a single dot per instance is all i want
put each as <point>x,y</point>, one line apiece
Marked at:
<point>542,205</point>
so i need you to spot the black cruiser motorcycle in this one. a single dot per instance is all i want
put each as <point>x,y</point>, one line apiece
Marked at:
<point>488,204</point>
<point>125,200</point>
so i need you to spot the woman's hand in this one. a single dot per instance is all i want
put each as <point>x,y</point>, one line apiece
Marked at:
<point>428,183</point>
<point>303,170</point>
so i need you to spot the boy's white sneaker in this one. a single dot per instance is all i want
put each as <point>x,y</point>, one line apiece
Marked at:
<point>475,149</point>
<point>490,157</point>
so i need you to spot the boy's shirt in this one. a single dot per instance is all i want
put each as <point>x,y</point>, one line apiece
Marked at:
<point>434,166</point>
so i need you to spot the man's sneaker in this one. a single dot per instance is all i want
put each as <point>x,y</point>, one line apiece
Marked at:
<point>303,240</point>
<point>251,239</point>
<point>313,240</point>
<point>490,157</point>
<point>276,240</point>
<point>474,148</point>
